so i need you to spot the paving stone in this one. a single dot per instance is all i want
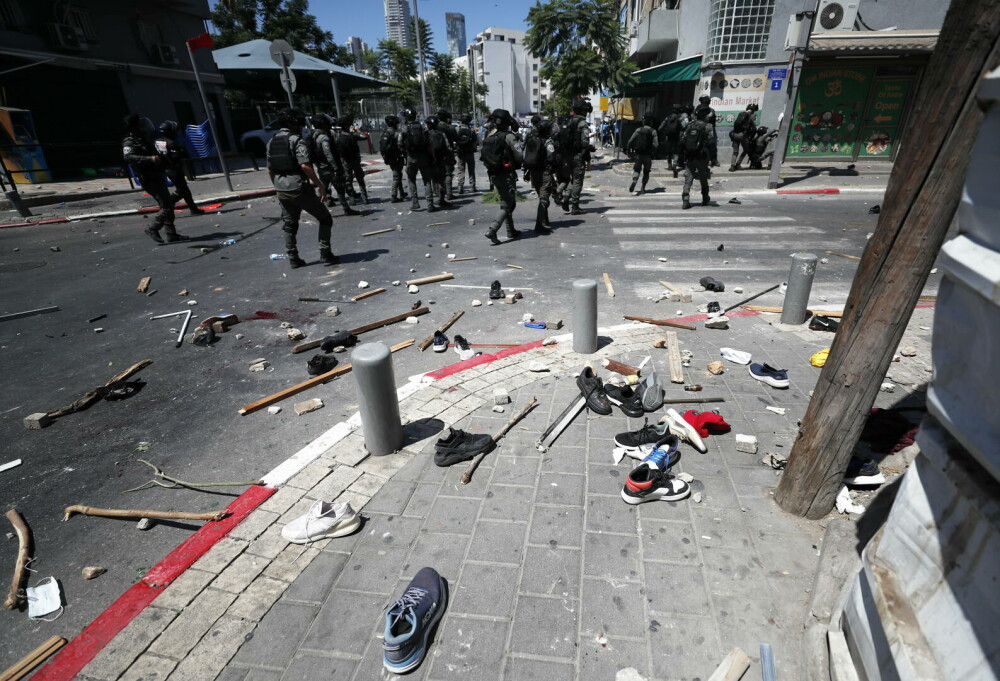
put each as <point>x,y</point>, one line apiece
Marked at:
<point>390,529</point>
<point>306,667</point>
<point>556,526</point>
<point>736,572</point>
<point>610,514</point>
<point>282,500</point>
<point>277,636</point>
<point>672,542</point>
<point>443,552</point>
<point>611,555</point>
<point>519,669</point>
<point>309,476</point>
<point>212,653</point>
<point>346,622</point>
<point>787,554</point>
<point>183,589</point>
<point>315,582</point>
<point>220,555</point>
<point>716,492</point>
<point>370,666</point>
<point>468,649</point>
<point>422,499</point>
<point>602,657</point>
<point>607,478</point>
<point>680,589</point>
<point>332,485</point>
<point>392,498</point>
<point>415,467</point>
<point>367,484</point>
<point>545,626</point>
<point>686,648</point>
<point>551,571</point>
<point>498,542</point>
<point>507,503</point>
<point>452,515</point>
<point>290,563</point>
<point>124,648</point>
<point>254,525</point>
<point>561,459</point>
<point>366,569</point>
<point>185,631</point>
<point>748,622</point>
<point>485,590</point>
<point>240,573</point>
<point>149,668</point>
<point>257,599</point>
<point>269,544</point>
<point>561,489</point>
<point>613,607</point>
<point>719,528</point>
<point>675,511</point>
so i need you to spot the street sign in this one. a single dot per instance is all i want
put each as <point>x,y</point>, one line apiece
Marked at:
<point>777,74</point>
<point>282,53</point>
<point>776,84</point>
<point>287,77</point>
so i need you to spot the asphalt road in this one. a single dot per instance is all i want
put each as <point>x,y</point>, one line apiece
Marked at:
<point>187,408</point>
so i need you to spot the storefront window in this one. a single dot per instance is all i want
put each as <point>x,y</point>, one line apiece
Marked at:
<point>738,29</point>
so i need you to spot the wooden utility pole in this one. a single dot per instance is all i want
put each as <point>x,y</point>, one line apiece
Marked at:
<point>923,193</point>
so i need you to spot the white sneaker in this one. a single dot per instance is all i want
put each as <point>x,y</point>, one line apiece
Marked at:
<point>322,521</point>
<point>683,430</point>
<point>736,356</point>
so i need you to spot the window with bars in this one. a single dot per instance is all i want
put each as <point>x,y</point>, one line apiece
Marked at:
<point>738,29</point>
<point>10,14</point>
<point>81,19</point>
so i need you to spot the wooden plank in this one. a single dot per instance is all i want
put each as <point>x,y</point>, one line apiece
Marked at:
<point>312,382</point>
<point>843,255</point>
<point>379,231</point>
<point>747,300</point>
<point>425,343</point>
<point>438,224</point>
<point>313,344</point>
<point>23,667</point>
<point>674,357</point>
<point>471,257</point>
<point>516,267</point>
<point>607,285</point>
<point>28,313</point>
<point>777,310</point>
<point>733,667</point>
<point>677,294</point>
<point>925,189</point>
<point>367,294</point>
<point>659,322</point>
<point>143,284</point>
<point>430,280</point>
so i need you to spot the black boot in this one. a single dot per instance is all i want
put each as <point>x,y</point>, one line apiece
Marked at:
<point>540,218</point>
<point>415,205</point>
<point>173,237</point>
<point>686,203</point>
<point>642,189</point>
<point>350,211</point>
<point>327,256</point>
<point>154,234</point>
<point>705,201</point>
<point>294,261</point>
<point>631,187</point>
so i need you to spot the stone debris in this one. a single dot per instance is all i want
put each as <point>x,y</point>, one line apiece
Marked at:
<point>696,497</point>
<point>718,323</point>
<point>397,282</point>
<point>737,289</point>
<point>294,334</point>
<point>887,388</point>
<point>259,364</point>
<point>501,396</point>
<point>498,409</point>
<point>308,406</point>
<point>909,351</point>
<point>413,288</point>
<point>412,320</point>
<point>145,524</point>
<point>477,303</point>
<point>685,477</point>
<point>777,410</point>
<point>363,284</point>
<point>286,325</point>
<point>537,367</point>
<point>92,571</point>
<point>746,443</point>
<point>716,367</point>
<point>192,303</point>
<point>332,311</point>
<point>272,410</point>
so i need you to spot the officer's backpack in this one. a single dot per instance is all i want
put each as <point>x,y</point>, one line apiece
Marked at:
<point>280,157</point>
<point>388,145</point>
<point>495,155</point>
<point>416,139</point>
<point>534,151</point>
<point>693,138</point>
<point>644,140</point>
<point>439,143</point>
<point>672,126</point>
<point>466,140</point>
<point>745,124</point>
<point>569,136</point>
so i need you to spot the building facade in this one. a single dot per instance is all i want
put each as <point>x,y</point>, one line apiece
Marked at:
<point>500,60</point>
<point>397,22</point>
<point>81,69</point>
<point>357,46</point>
<point>457,44</point>
<point>862,62</point>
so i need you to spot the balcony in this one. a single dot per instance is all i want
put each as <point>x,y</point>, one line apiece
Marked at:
<point>656,33</point>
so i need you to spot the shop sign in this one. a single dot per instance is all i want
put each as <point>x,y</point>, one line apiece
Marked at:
<point>732,93</point>
<point>828,113</point>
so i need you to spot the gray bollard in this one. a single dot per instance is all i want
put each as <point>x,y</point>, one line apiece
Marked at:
<point>585,316</point>
<point>800,281</point>
<point>377,401</point>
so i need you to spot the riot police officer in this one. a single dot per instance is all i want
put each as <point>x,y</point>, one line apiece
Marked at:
<point>347,144</point>
<point>670,132</point>
<point>710,119</point>
<point>289,164</point>
<point>742,135</point>
<point>502,157</point>
<point>643,145</point>
<point>466,146</point>
<point>445,126</point>
<point>328,163</point>
<point>139,152</point>
<point>414,142</point>
<point>574,142</point>
<point>393,156</point>
<point>173,163</point>
<point>441,151</point>
<point>696,147</point>
<point>539,157</point>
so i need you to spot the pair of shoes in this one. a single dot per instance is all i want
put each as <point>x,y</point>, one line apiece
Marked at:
<point>651,480</point>
<point>322,521</point>
<point>458,446</point>
<point>496,293</point>
<point>410,621</point>
<point>328,257</point>
<point>592,389</point>
<point>295,262</point>
<point>625,398</point>
<point>320,364</point>
<point>776,378</point>
<point>440,342</point>
<point>463,349</point>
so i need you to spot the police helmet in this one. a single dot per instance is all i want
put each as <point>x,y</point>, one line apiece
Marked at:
<point>649,120</point>
<point>762,130</point>
<point>535,120</point>
<point>502,118</point>
<point>444,115</point>
<point>544,128</point>
<point>391,121</point>
<point>582,107</point>
<point>466,119</point>
<point>753,107</point>
<point>346,122</point>
<point>701,113</point>
<point>408,114</point>
<point>431,122</point>
<point>705,99</point>
<point>169,128</point>
<point>322,120</point>
<point>289,117</point>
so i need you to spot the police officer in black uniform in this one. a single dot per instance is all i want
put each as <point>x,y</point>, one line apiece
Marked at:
<point>173,163</point>
<point>328,163</point>
<point>466,146</point>
<point>643,145</point>
<point>415,143</point>
<point>441,150</point>
<point>575,142</point>
<point>742,135</point>
<point>393,156</point>
<point>696,145</point>
<point>709,118</point>
<point>289,164</point>
<point>139,152</point>
<point>502,157</point>
<point>539,158</point>
<point>347,140</point>
<point>445,126</point>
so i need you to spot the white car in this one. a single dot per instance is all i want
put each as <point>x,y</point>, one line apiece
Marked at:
<point>255,141</point>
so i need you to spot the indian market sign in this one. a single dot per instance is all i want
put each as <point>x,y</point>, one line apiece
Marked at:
<point>828,114</point>
<point>732,93</point>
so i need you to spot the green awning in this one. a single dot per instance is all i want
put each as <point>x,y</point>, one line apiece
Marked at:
<point>682,69</point>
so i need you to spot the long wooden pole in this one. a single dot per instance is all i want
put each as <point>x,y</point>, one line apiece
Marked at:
<point>20,577</point>
<point>924,190</point>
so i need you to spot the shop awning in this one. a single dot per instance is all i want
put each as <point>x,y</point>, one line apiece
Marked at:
<point>254,55</point>
<point>874,42</point>
<point>648,81</point>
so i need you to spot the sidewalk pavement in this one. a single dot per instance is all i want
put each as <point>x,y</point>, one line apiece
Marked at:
<point>551,575</point>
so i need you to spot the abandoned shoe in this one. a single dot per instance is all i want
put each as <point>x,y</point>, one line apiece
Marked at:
<point>684,430</point>
<point>462,348</point>
<point>651,392</point>
<point>410,621</point>
<point>496,293</point>
<point>649,434</point>
<point>320,364</point>
<point>592,389</point>
<point>646,482</point>
<point>440,342</point>
<point>861,473</point>
<point>776,378</point>
<point>460,446</point>
<point>322,521</point>
<point>665,453</point>
<point>820,322</point>
<point>711,284</point>
<point>626,399</point>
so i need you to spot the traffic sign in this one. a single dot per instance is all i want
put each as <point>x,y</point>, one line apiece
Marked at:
<point>777,74</point>
<point>287,77</point>
<point>282,53</point>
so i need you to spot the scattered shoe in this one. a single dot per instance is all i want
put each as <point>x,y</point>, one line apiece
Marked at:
<point>592,389</point>
<point>652,393</point>
<point>736,356</point>
<point>646,482</point>
<point>440,342</point>
<point>649,434</point>
<point>410,621</point>
<point>320,364</point>
<point>496,293</point>
<point>460,446</point>
<point>665,453</point>
<point>862,473</point>
<point>707,422</point>
<point>713,307</point>
<point>821,322</point>
<point>684,430</point>
<point>711,284</point>
<point>322,521</point>
<point>776,378</point>
<point>463,349</point>
<point>626,399</point>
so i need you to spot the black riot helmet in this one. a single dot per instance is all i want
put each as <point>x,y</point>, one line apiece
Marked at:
<point>391,121</point>
<point>535,120</point>
<point>762,130</point>
<point>753,107</point>
<point>705,99</point>
<point>544,128</point>
<point>431,122</point>
<point>444,115</point>
<point>346,122</point>
<point>291,117</point>
<point>649,120</point>
<point>466,119</point>
<point>582,107</point>
<point>408,114</point>
<point>701,113</point>
<point>322,121</point>
<point>169,129</point>
<point>502,119</point>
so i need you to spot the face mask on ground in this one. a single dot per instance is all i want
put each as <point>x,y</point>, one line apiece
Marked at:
<point>43,599</point>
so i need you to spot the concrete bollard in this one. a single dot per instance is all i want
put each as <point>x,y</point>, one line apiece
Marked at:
<point>800,281</point>
<point>585,316</point>
<point>377,401</point>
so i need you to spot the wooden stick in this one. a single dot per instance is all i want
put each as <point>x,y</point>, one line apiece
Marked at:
<point>765,308</point>
<point>516,267</point>
<point>733,666</point>
<point>843,255</point>
<point>674,357</point>
<point>129,513</point>
<point>28,313</point>
<point>619,367</point>
<point>367,294</point>
<point>927,299</point>
<point>379,231</point>
<point>471,257</point>
<point>678,294</point>
<point>20,577</point>
<point>388,320</point>
<point>659,322</point>
<point>95,395</point>
<point>425,343</point>
<point>438,224</point>
<point>467,475</point>
<point>305,385</point>
<point>23,666</point>
<point>143,284</point>
<point>430,280</point>
<point>753,297</point>
<point>608,286</point>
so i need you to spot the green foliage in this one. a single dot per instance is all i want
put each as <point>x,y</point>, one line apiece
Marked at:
<point>373,63</point>
<point>237,21</point>
<point>582,46</point>
<point>426,37</point>
<point>398,61</point>
<point>442,81</point>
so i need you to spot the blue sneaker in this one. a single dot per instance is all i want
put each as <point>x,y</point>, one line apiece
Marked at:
<point>665,453</point>
<point>410,620</point>
<point>776,378</point>
<point>440,342</point>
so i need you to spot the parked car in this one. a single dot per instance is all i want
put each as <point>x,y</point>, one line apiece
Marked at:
<point>255,141</point>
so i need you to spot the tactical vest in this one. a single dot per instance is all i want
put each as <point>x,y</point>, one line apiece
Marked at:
<point>280,157</point>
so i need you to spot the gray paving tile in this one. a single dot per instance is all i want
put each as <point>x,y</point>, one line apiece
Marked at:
<point>346,622</point>
<point>556,526</point>
<point>444,553</point>
<point>498,541</point>
<point>453,516</point>
<point>276,638</point>
<point>422,499</point>
<point>673,542</point>
<point>602,657</point>
<point>545,626</point>
<point>315,582</point>
<point>485,590</point>
<point>736,572</point>
<point>679,589</point>
<point>392,498</point>
<point>748,622</point>
<point>561,489</point>
<point>787,554</point>
<point>507,503</point>
<point>520,669</point>
<point>611,514</point>
<point>372,567</point>
<point>370,667</point>
<point>716,492</point>
<point>516,470</point>
<point>562,459</point>
<point>391,530</point>
<point>724,528</point>
<point>684,648</point>
<point>611,555</point>
<point>318,668</point>
<point>675,511</point>
<point>607,478</point>
<point>616,608</point>
<point>474,650</point>
<point>551,571</point>
<point>599,450</point>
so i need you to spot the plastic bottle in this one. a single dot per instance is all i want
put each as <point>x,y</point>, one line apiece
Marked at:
<point>279,256</point>
<point>227,242</point>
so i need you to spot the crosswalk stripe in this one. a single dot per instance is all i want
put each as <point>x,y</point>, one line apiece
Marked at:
<point>755,247</point>
<point>677,230</point>
<point>734,267</point>
<point>688,214</point>
<point>692,219</point>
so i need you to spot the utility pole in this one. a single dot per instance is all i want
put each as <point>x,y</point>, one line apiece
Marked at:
<point>788,120</point>
<point>920,202</point>
<point>420,57</point>
<point>208,113</point>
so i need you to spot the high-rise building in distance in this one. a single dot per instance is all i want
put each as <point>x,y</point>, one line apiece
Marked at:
<point>397,22</point>
<point>456,33</point>
<point>357,46</point>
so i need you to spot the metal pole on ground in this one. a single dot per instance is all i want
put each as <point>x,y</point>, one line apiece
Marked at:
<point>800,280</point>
<point>377,401</point>
<point>211,122</point>
<point>585,316</point>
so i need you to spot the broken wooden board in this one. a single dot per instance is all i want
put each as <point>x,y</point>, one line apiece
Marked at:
<point>430,280</point>
<point>777,310</point>
<point>676,294</point>
<point>471,257</point>
<point>358,330</point>
<point>31,313</point>
<point>379,231</point>
<point>516,267</point>
<point>843,255</point>
<point>143,284</point>
<point>367,294</point>
<point>674,357</point>
<point>608,286</point>
<point>26,664</point>
<point>659,322</point>
<point>425,343</point>
<point>733,666</point>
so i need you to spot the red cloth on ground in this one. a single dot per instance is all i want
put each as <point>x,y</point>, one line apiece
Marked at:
<point>888,431</point>
<point>707,422</point>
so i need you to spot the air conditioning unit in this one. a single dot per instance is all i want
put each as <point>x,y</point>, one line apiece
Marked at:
<point>66,37</point>
<point>798,31</point>
<point>165,54</point>
<point>835,15</point>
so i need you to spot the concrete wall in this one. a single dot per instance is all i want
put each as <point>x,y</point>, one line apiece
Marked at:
<point>510,63</point>
<point>903,14</point>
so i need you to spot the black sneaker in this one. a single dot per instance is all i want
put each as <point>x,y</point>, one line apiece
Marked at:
<point>410,621</point>
<point>320,364</point>
<point>460,446</point>
<point>647,435</point>
<point>626,399</point>
<point>328,258</point>
<point>592,389</point>
<point>861,473</point>
<point>821,322</point>
<point>496,293</point>
<point>713,306</point>
<point>462,348</point>
<point>646,482</point>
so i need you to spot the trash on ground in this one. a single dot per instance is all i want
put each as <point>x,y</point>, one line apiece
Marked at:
<point>467,475</point>
<point>693,388</point>
<point>145,524</point>
<point>875,210</point>
<point>716,367</point>
<point>28,313</point>
<point>721,322</point>
<point>819,359</point>
<point>113,389</point>
<point>746,443</point>
<point>845,504</point>
<point>888,431</point>
<point>44,598</point>
<point>259,364</point>
<point>887,387</point>
<point>294,334</point>
<point>711,284</point>
<point>820,322</point>
<point>308,406</point>
<point>143,285</point>
<point>10,464</point>
<point>775,461</point>
<point>776,410</point>
<point>735,201</point>
<point>477,303</point>
<point>909,351</point>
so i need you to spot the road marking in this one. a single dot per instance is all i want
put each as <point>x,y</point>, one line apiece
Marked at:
<point>700,220</point>
<point>678,230</point>
<point>758,246</point>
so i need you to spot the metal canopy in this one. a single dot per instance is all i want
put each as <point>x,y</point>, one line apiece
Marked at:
<point>255,55</point>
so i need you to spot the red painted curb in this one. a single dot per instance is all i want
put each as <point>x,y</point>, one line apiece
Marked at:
<point>47,221</point>
<point>479,360</point>
<point>69,661</point>
<point>807,191</point>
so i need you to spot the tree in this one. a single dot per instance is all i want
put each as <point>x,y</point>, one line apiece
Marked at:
<point>397,60</point>
<point>582,46</point>
<point>426,36</point>
<point>373,63</point>
<point>237,21</point>
<point>442,82</point>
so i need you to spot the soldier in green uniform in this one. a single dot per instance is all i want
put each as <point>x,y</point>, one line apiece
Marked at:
<point>502,157</point>
<point>328,163</point>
